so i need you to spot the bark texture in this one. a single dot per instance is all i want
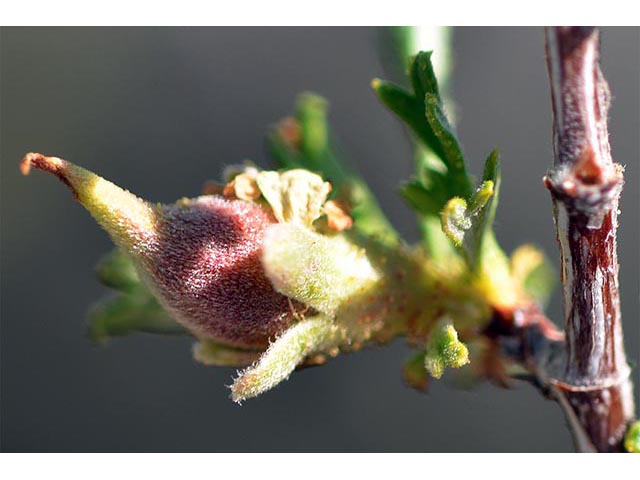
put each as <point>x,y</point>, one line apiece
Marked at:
<point>585,186</point>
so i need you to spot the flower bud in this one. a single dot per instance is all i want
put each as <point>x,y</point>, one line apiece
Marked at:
<point>201,258</point>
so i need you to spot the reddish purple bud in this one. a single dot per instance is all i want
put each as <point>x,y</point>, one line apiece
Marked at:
<point>205,267</point>
<point>201,258</point>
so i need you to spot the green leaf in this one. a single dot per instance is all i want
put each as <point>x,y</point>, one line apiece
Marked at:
<point>436,132</point>
<point>132,309</point>
<point>410,110</point>
<point>116,270</point>
<point>453,158</point>
<point>305,338</point>
<point>455,220</point>
<point>444,349</point>
<point>422,76</point>
<point>312,112</point>
<point>632,438</point>
<point>468,223</point>
<point>123,314</point>
<point>420,198</point>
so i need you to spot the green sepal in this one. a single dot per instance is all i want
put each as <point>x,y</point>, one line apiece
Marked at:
<point>211,353</point>
<point>132,309</point>
<point>116,270</point>
<point>308,336</point>
<point>124,313</point>
<point>320,271</point>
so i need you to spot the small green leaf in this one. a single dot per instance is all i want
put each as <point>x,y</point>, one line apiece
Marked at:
<point>116,270</point>
<point>305,338</point>
<point>312,114</point>
<point>422,75</point>
<point>132,309</point>
<point>420,198</point>
<point>455,220</point>
<point>444,349</point>
<point>467,224</point>
<point>460,183</point>
<point>123,314</point>
<point>410,110</point>
<point>632,438</point>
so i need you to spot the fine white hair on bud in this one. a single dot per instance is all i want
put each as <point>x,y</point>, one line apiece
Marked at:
<point>200,258</point>
<point>309,336</point>
<point>319,271</point>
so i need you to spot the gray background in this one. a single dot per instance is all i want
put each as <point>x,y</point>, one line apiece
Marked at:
<point>160,110</point>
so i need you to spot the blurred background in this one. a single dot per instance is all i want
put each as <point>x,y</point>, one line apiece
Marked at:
<point>159,111</point>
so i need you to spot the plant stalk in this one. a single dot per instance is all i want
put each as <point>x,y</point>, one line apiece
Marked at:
<point>585,186</point>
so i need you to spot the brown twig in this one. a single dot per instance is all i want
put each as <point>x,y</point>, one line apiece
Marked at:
<point>585,186</point>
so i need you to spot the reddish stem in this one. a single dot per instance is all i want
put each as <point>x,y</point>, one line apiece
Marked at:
<point>585,186</point>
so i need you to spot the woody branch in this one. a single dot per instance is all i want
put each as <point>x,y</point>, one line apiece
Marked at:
<point>585,186</point>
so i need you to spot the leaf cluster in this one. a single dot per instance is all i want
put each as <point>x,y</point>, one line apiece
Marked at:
<point>442,187</point>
